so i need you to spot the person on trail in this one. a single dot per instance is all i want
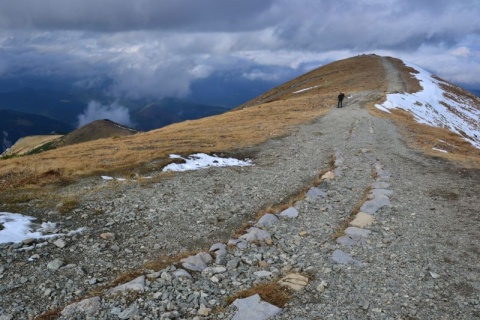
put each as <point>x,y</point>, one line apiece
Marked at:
<point>340,99</point>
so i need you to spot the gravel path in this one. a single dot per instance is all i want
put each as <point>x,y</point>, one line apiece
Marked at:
<point>420,259</point>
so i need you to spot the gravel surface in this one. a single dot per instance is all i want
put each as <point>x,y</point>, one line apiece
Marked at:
<point>420,259</point>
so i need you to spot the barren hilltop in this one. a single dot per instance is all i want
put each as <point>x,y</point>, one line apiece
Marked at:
<point>368,211</point>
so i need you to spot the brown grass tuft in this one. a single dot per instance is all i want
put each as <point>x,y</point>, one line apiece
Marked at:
<point>49,315</point>
<point>126,277</point>
<point>164,261</point>
<point>271,292</point>
<point>69,203</point>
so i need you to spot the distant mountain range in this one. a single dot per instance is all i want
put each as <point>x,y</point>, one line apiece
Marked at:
<point>39,111</point>
<point>15,125</point>
<point>171,110</point>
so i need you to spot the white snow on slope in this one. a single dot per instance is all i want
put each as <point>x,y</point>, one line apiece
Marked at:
<point>306,89</point>
<point>428,106</point>
<point>201,161</point>
<point>18,227</point>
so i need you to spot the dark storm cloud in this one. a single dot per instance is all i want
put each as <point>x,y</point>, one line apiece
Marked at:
<point>389,24</point>
<point>159,48</point>
<point>122,15</point>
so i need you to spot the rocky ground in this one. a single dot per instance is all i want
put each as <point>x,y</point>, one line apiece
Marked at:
<point>414,255</point>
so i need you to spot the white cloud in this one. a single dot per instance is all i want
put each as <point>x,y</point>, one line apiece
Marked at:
<point>96,111</point>
<point>461,51</point>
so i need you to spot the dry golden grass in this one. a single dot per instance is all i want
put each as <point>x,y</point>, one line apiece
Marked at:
<point>229,131</point>
<point>29,143</point>
<point>271,115</point>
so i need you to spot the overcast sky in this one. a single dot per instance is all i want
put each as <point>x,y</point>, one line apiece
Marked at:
<point>161,47</point>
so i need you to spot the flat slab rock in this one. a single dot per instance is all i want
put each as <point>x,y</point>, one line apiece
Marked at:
<point>372,206</point>
<point>356,232</point>
<point>316,192</point>
<point>341,257</point>
<point>87,306</point>
<point>253,308</point>
<point>362,220</point>
<point>198,262</point>
<point>348,241</point>
<point>380,192</point>
<point>380,185</point>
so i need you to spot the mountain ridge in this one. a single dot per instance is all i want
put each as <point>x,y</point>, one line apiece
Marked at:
<point>316,169</point>
<point>283,106</point>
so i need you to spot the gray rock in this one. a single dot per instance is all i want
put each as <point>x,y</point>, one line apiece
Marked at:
<point>380,185</point>
<point>341,257</point>
<point>55,264</point>
<point>137,284</point>
<point>372,206</point>
<point>267,220</point>
<point>239,243</point>
<point>129,313</point>
<point>28,241</point>
<point>355,232</point>
<point>220,251</point>
<point>254,308</point>
<point>347,241</point>
<point>289,213</point>
<point>381,192</point>
<point>255,234</point>
<point>197,262</point>
<point>181,273</point>
<point>233,263</point>
<point>87,306</point>
<point>60,243</point>
<point>316,192</point>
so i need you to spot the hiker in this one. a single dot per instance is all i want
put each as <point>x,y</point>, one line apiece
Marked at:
<point>340,99</point>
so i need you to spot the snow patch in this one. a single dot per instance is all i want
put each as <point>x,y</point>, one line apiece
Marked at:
<point>201,161</point>
<point>111,178</point>
<point>380,107</point>
<point>430,106</point>
<point>306,89</point>
<point>440,150</point>
<point>18,227</point>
